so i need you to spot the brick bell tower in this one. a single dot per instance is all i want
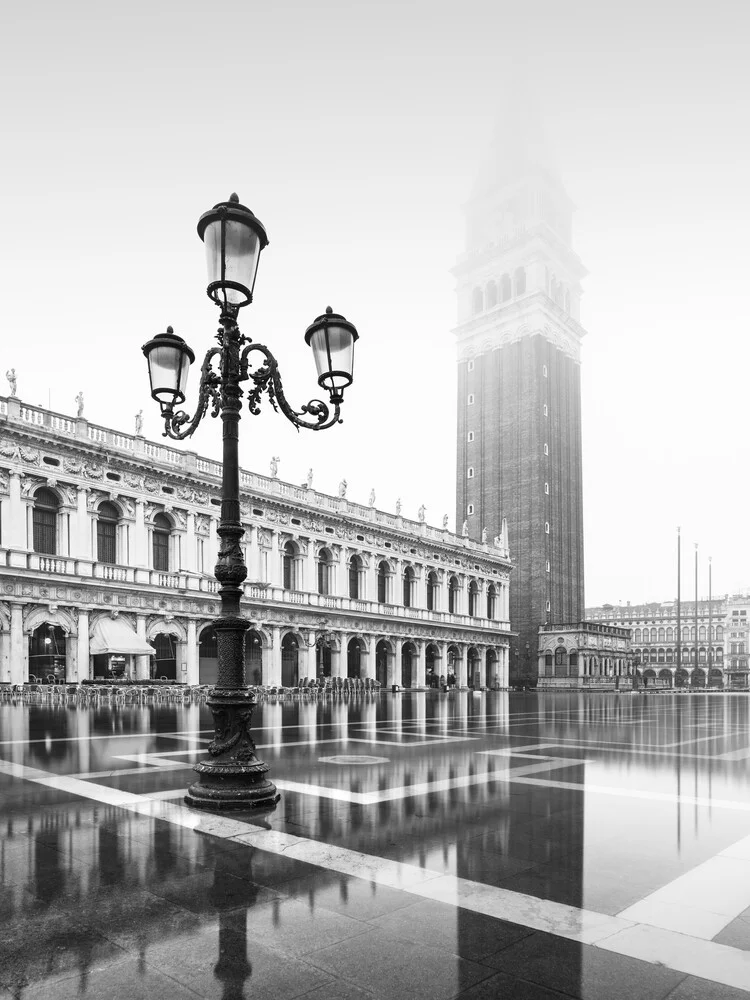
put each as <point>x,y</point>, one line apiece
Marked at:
<point>519,391</point>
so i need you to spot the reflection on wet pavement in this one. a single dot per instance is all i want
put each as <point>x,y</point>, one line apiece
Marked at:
<point>426,845</point>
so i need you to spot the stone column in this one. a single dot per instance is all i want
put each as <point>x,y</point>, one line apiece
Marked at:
<point>140,542</point>
<point>371,578</point>
<point>82,548</point>
<point>142,663</point>
<point>339,658</point>
<point>420,666</point>
<point>16,522</point>
<point>367,659</point>
<point>307,656</point>
<point>274,659</point>
<point>83,658</point>
<point>18,648</point>
<point>192,653</point>
<point>190,555</point>
<point>394,669</point>
<point>460,666</point>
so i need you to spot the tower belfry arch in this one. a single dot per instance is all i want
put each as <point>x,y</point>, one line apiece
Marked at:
<point>518,285</point>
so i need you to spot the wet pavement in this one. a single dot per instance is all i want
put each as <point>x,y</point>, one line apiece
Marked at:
<point>428,844</point>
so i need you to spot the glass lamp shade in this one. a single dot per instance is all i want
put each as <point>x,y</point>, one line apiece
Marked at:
<point>332,338</point>
<point>233,238</point>
<point>169,359</point>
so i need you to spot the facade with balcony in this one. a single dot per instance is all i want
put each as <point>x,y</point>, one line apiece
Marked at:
<point>108,544</point>
<point>584,655</point>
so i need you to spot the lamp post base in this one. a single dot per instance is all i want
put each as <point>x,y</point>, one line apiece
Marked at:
<point>232,777</point>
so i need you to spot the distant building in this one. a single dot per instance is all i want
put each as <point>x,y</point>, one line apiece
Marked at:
<point>519,395</point>
<point>107,550</point>
<point>711,653</point>
<point>586,656</point>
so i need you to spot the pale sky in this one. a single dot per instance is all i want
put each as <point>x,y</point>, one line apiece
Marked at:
<point>354,131</point>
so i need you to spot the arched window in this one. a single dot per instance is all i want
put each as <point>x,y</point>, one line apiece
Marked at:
<point>662,635</point>
<point>432,590</point>
<point>473,598</point>
<point>355,570</point>
<point>719,633</point>
<point>505,288</point>
<point>702,633</point>
<point>453,595</point>
<point>106,532</point>
<point>470,472</point>
<point>654,634</point>
<point>161,533</point>
<point>520,280</point>
<point>408,586</point>
<point>384,582</point>
<point>490,294</point>
<point>325,571</point>
<point>685,633</point>
<point>291,566</point>
<point>637,635</point>
<point>477,301</point>
<point>491,601</point>
<point>46,506</point>
<point>670,634</point>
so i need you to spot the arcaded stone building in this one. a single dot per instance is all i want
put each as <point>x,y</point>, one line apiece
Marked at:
<point>519,396</point>
<point>107,548</point>
<point>589,656</point>
<point>710,648</point>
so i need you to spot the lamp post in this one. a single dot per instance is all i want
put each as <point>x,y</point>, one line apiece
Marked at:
<point>232,777</point>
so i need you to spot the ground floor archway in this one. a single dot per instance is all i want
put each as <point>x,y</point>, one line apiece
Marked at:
<point>253,657</point>
<point>432,666</point>
<point>354,658</point>
<point>408,660</point>
<point>48,655</point>
<point>164,663</point>
<point>289,661</point>
<point>382,652</point>
<point>474,661</point>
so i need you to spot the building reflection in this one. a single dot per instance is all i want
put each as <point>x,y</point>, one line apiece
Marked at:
<point>65,864</point>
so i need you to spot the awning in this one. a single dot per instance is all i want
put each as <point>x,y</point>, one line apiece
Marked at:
<point>112,635</point>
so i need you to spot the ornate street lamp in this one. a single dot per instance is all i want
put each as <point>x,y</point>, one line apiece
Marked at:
<point>233,777</point>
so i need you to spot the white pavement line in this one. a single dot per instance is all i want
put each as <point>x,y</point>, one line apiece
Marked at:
<point>699,903</point>
<point>693,956</point>
<point>633,793</point>
<point>704,959</point>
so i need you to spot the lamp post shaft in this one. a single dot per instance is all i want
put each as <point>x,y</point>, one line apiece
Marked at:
<point>233,777</point>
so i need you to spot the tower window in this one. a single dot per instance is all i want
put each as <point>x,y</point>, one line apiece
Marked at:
<point>548,606</point>
<point>470,399</point>
<point>470,366</point>
<point>546,488</point>
<point>546,448</point>
<point>544,371</point>
<point>470,436</point>
<point>547,566</point>
<point>470,509</point>
<point>470,472</point>
<point>546,412</point>
<point>546,527</point>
